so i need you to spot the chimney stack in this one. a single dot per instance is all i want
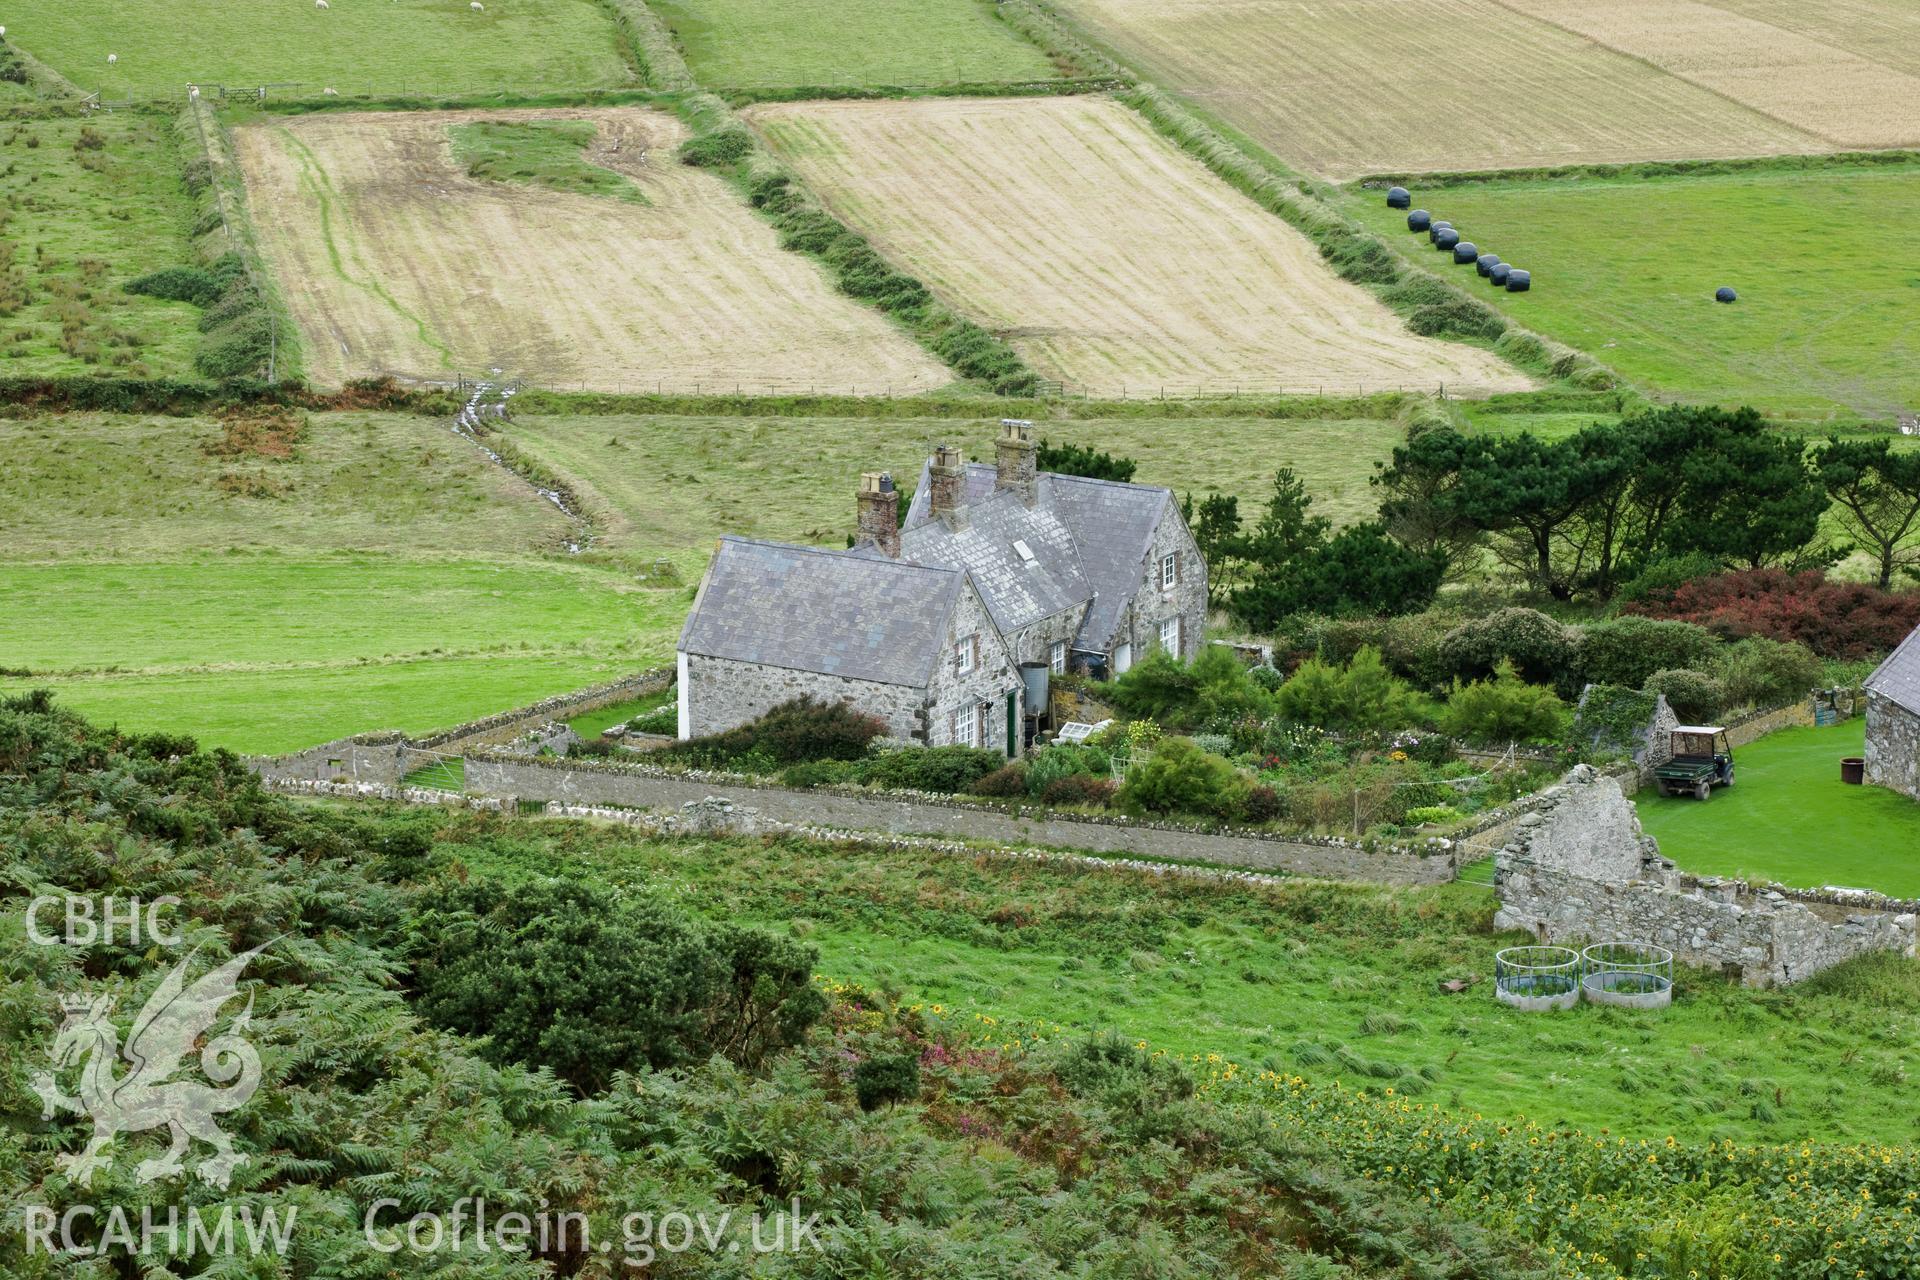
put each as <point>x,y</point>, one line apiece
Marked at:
<point>878,514</point>
<point>1016,460</point>
<point>947,480</point>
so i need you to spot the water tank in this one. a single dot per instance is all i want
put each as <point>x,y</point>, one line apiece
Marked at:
<point>1034,675</point>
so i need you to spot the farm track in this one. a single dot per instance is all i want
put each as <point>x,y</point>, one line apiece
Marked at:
<point>395,261</point>
<point>1342,88</point>
<point>1106,256</point>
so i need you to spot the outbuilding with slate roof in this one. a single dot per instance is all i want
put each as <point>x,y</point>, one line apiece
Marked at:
<point>1893,720</point>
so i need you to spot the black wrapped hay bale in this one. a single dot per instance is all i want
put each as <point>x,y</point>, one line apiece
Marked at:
<point>1445,239</point>
<point>1399,198</point>
<point>1519,281</point>
<point>1419,220</point>
<point>1433,232</point>
<point>1486,263</point>
<point>1465,252</point>
<point>1724,294</point>
<point>1499,274</point>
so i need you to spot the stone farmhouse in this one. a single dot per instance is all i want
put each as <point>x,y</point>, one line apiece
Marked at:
<point>1893,720</point>
<point>927,622</point>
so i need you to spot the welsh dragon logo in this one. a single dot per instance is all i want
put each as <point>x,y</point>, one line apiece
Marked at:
<point>147,1097</point>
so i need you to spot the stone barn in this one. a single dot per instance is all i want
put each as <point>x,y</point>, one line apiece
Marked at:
<point>1893,720</point>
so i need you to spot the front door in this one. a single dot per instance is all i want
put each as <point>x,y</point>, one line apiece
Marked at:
<point>1122,659</point>
<point>1013,724</point>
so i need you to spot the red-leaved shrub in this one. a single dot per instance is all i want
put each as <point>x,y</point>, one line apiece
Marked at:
<point>1834,619</point>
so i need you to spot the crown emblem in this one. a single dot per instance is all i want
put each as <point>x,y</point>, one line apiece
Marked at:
<point>75,1002</point>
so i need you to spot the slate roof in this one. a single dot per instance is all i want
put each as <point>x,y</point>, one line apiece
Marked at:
<point>1018,591</point>
<point>1111,524</point>
<point>844,613</point>
<point>1898,678</point>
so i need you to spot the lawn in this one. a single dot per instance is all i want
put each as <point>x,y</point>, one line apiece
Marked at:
<point>377,47</point>
<point>1327,980</point>
<point>668,486</point>
<point>849,42</point>
<point>1626,268</point>
<point>90,205</point>
<point>1789,818</point>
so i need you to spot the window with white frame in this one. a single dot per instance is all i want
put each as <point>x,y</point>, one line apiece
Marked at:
<point>968,726</point>
<point>1057,657</point>
<point>966,654</point>
<point>1169,570</point>
<point>1170,635</point>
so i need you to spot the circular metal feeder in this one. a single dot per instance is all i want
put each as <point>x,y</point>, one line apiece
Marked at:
<point>1535,979</point>
<point>1631,975</point>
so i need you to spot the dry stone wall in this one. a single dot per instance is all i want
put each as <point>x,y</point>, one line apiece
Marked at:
<point>1578,869</point>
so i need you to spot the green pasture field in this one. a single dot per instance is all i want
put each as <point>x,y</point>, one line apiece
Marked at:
<point>543,153</point>
<point>1331,981</point>
<point>385,575</point>
<point>89,205</point>
<point>668,486</point>
<point>380,47</point>
<point>1790,819</point>
<point>740,43</point>
<point>110,486</point>
<point>1625,269</point>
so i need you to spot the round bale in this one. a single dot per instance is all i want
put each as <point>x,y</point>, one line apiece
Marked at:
<point>1446,239</point>
<point>1486,263</point>
<point>1433,232</point>
<point>1399,198</point>
<point>1465,252</point>
<point>1499,274</point>
<point>1519,281</point>
<point>1419,220</point>
<point>1724,294</point>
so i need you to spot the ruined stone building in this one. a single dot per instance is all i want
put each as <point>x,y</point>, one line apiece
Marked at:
<point>1893,720</point>
<point>926,621</point>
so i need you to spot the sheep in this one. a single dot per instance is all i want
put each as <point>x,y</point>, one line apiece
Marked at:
<point>321,4</point>
<point>477,7</point>
<point>112,58</point>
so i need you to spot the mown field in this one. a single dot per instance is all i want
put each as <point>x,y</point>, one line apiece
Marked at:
<point>395,260</point>
<point>1106,256</point>
<point>1801,76</point>
<point>1788,817</point>
<point>667,486</point>
<point>849,42</point>
<point>1626,268</point>
<point>88,206</point>
<point>1330,981</point>
<point>1351,87</point>
<point>380,573</point>
<point>382,47</point>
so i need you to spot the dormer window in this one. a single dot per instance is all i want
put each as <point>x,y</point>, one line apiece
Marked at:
<point>1169,571</point>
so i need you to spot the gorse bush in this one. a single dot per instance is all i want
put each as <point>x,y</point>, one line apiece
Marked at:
<point>1503,709</point>
<point>886,1079</point>
<point>1359,696</point>
<point>942,770</point>
<point>1181,778</point>
<point>182,284</point>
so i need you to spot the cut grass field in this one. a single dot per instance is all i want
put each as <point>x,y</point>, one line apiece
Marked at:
<point>1342,88</point>
<point>1107,257</point>
<point>395,260</point>
<point>90,205</point>
<point>1330,981</point>
<point>1803,77</point>
<point>733,43</point>
<point>1789,818</point>
<point>1626,269</point>
<point>381,47</point>
<point>99,486</point>
<point>385,574</point>
<point>667,486</point>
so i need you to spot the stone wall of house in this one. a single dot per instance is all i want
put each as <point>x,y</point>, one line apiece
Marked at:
<point>989,682</point>
<point>722,693</point>
<point>1578,869</point>
<point>1893,746</point>
<point>1188,598</point>
<point>376,759</point>
<point>1034,643</point>
<point>570,782</point>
